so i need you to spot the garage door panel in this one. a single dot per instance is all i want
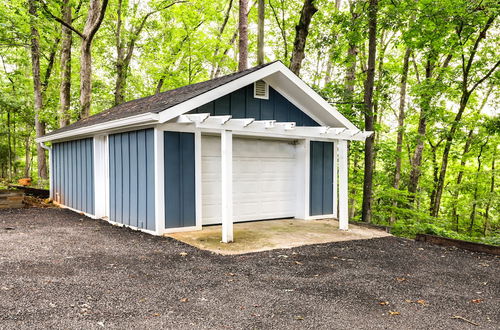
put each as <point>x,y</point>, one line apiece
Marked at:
<point>263,179</point>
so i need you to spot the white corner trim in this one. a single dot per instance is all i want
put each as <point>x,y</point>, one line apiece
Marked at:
<point>159,181</point>
<point>93,129</point>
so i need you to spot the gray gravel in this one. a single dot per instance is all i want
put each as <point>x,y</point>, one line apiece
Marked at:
<point>59,269</point>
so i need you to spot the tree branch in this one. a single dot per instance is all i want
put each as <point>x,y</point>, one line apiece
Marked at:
<point>57,19</point>
<point>98,22</point>
<point>486,76</point>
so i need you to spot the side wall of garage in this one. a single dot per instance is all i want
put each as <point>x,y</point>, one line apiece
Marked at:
<point>131,179</point>
<point>73,174</point>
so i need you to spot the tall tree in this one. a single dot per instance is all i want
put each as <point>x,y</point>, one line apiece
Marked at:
<point>65,89</point>
<point>401,119</point>
<point>37,86</point>
<point>469,83</point>
<point>243,36</point>
<point>369,115</point>
<point>301,33</point>
<point>95,16</point>
<point>260,35</point>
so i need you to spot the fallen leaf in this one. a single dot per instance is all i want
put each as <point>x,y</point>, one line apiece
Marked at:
<point>476,301</point>
<point>282,256</point>
<point>408,300</point>
<point>230,274</point>
<point>400,279</point>
<point>420,301</point>
<point>298,263</point>
<point>394,313</point>
<point>100,323</point>
<point>156,314</point>
<point>299,318</point>
<point>184,300</point>
<point>383,303</point>
<point>183,254</point>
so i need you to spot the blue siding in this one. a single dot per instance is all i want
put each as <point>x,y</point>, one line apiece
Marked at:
<point>131,176</point>
<point>242,104</point>
<point>73,174</point>
<point>179,180</point>
<point>321,178</point>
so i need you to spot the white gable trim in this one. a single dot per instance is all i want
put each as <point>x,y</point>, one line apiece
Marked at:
<point>251,78</point>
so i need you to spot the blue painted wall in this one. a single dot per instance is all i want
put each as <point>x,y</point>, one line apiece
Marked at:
<point>242,104</point>
<point>321,179</point>
<point>180,200</point>
<point>73,174</point>
<point>131,179</point>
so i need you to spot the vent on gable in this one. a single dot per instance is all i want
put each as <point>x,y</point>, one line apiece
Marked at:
<point>261,90</point>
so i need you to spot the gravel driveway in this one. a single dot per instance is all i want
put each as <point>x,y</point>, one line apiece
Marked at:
<point>59,269</point>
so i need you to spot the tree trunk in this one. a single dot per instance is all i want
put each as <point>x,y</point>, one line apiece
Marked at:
<point>27,157</point>
<point>352,193</point>
<point>476,188</point>
<point>492,190</point>
<point>459,178</point>
<point>37,86</point>
<point>301,32</point>
<point>243,36</point>
<point>401,119</point>
<point>260,36</point>
<point>369,116</point>
<point>94,19</point>
<point>219,37</point>
<point>416,160</point>
<point>65,89</point>
<point>446,153</point>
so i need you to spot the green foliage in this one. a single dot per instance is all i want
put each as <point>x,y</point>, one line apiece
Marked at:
<point>188,43</point>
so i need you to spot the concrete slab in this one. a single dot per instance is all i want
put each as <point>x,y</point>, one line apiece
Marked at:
<point>274,234</point>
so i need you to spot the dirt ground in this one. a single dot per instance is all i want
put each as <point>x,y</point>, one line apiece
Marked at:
<point>61,270</point>
<point>260,236</point>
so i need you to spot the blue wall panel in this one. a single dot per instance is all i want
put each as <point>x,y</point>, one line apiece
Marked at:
<point>180,205</point>
<point>73,174</point>
<point>321,178</point>
<point>242,104</point>
<point>131,176</point>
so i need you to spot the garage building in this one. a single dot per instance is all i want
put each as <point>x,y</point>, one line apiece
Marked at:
<point>254,145</point>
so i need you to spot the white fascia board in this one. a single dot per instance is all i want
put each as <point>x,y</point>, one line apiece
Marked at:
<point>102,127</point>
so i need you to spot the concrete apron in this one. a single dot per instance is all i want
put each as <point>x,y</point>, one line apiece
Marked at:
<point>274,234</point>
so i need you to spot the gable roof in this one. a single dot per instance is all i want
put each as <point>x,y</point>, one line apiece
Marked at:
<point>155,103</point>
<point>180,100</point>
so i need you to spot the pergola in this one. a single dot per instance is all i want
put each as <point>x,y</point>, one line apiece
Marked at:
<point>227,127</point>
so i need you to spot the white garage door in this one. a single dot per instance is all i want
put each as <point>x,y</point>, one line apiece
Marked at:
<point>263,179</point>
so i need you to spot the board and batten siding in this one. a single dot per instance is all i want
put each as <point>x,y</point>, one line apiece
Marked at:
<point>242,104</point>
<point>180,194</point>
<point>131,179</point>
<point>321,178</point>
<point>73,174</point>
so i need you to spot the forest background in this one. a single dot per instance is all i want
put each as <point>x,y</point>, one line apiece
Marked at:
<point>423,74</point>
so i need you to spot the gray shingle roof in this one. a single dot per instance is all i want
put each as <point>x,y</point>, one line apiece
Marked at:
<point>156,103</point>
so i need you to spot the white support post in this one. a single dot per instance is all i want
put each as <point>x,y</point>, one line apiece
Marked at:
<point>227,185</point>
<point>198,183</point>
<point>101,176</point>
<point>335,212</point>
<point>343,185</point>
<point>159,182</point>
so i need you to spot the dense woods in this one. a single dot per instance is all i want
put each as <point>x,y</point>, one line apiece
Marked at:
<point>423,74</point>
